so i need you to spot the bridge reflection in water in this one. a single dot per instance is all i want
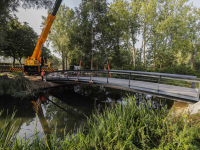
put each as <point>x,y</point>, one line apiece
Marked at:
<point>171,86</point>
<point>64,109</point>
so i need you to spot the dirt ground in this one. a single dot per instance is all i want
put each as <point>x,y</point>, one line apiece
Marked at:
<point>37,80</point>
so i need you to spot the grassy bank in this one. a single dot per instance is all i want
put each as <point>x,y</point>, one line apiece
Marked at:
<point>127,126</point>
<point>17,86</point>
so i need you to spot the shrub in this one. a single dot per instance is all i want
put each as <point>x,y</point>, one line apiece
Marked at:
<point>18,86</point>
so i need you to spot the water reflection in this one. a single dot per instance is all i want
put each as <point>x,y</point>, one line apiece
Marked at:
<point>65,108</point>
<point>38,109</point>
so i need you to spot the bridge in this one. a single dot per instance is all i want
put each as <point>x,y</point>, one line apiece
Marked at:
<point>170,86</point>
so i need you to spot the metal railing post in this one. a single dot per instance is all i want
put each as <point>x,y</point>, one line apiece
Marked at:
<point>198,92</point>
<point>90,75</point>
<point>107,76</point>
<point>129,79</point>
<point>159,82</point>
<point>78,75</point>
<point>46,76</point>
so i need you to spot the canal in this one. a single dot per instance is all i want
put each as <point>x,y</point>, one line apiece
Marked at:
<point>65,108</point>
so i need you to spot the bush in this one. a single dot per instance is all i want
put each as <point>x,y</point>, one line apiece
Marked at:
<point>181,69</point>
<point>16,87</point>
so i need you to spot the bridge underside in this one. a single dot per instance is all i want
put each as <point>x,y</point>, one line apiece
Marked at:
<point>177,93</point>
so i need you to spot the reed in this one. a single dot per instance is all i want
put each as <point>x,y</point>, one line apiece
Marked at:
<point>8,131</point>
<point>132,126</point>
<point>125,126</point>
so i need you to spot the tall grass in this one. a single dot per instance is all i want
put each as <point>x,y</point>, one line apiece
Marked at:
<point>8,131</point>
<point>130,126</point>
<point>125,126</point>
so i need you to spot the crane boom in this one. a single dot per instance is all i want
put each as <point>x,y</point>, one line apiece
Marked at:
<point>46,30</point>
<point>36,64</point>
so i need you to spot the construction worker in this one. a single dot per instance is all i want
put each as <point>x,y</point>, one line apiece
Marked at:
<point>42,74</point>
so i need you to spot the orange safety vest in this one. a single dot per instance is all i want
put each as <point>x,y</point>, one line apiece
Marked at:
<point>42,73</point>
<point>43,98</point>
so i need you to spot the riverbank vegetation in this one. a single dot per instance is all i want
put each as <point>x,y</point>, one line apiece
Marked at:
<point>18,86</point>
<point>130,125</point>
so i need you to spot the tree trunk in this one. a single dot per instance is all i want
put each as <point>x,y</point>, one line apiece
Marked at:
<point>133,57</point>
<point>20,63</point>
<point>192,63</point>
<point>160,65</point>
<point>66,61</point>
<point>13,62</point>
<point>154,62</point>
<point>85,61</point>
<point>63,61</point>
<point>144,40</point>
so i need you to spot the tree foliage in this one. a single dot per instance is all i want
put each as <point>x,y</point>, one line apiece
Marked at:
<point>99,32</point>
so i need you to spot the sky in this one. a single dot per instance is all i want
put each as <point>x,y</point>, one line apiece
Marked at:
<point>34,16</point>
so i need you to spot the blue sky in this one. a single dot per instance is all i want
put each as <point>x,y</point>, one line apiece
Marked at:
<point>33,16</point>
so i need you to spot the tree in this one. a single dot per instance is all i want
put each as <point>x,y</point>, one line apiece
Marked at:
<point>26,41</point>
<point>10,6</point>
<point>59,31</point>
<point>55,61</point>
<point>20,41</point>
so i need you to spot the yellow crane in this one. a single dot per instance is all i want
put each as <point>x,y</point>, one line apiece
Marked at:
<point>35,63</point>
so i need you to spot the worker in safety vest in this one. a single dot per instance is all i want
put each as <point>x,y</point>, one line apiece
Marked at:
<point>42,74</point>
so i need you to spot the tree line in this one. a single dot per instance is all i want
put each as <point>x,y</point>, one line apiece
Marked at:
<point>103,32</point>
<point>99,31</point>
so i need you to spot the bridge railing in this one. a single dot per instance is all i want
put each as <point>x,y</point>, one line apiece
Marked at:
<point>106,75</point>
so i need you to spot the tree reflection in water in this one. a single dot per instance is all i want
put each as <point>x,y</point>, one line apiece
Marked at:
<point>68,107</point>
<point>80,101</point>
